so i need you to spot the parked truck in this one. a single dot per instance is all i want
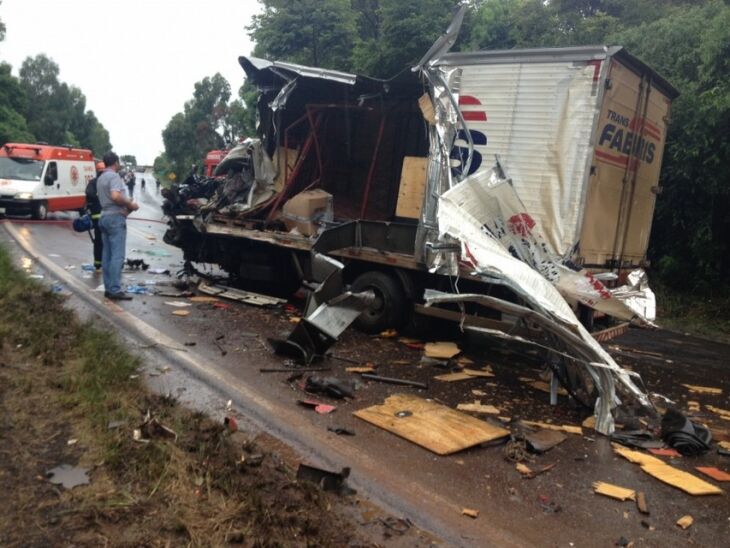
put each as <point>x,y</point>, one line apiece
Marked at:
<point>498,189</point>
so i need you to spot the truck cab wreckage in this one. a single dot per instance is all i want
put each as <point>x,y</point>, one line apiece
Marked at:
<point>379,194</point>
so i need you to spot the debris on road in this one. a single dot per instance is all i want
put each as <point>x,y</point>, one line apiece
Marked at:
<point>319,407</point>
<point>641,504</point>
<point>391,380</point>
<point>703,389</point>
<point>340,430</point>
<point>685,436</point>
<point>293,369</point>
<point>326,480</point>
<point>478,407</point>
<point>441,350</point>
<point>685,521</point>
<point>570,429</point>
<point>664,452</point>
<point>68,475</point>
<point>637,438</point>
<point>363,369</point>
<point>181,313</point>
<point>230,423</point>
<point>542,441</point>
<point>668,474</point>
<point>436,427</point>
<point>178,304</point>
<point>529,473</point>
<point>248,297</point>
<point>614,491</point>
<point>470,512</point>
<point>714,473</point>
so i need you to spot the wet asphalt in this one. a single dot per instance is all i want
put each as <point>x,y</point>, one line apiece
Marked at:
<point>557,508</point>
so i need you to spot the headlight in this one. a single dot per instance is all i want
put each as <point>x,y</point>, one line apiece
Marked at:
<point>24,196</point>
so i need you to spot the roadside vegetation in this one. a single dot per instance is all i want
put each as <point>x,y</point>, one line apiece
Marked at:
<point>69,394</point>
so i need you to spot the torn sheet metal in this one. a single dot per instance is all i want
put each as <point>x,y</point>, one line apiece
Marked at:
<point>492,202</point>
<point>637,295</point>
<point>248,297</point>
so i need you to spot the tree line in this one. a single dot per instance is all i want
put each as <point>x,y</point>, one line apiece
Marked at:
<point>37,106</point>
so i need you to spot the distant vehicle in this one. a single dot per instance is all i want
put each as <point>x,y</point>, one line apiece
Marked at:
<point>38,179</point>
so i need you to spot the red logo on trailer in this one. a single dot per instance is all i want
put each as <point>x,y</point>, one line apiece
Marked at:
<point>521,224</point>
<point>74,176</point>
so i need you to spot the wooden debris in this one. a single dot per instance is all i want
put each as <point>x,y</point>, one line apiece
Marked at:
<point>542,386</point>
<point>388,334</point>
<point>486,372</point>
<point>478,392</point>
<point>453,377</point>
<point>702,389</point>
<point>478,407</point>
<point>363,369</point>
<point>433,426</point>
<point>724,413</point>
<point>529,473</point>
<point>203,299</point>
<point>463,360</point>
<point>685,521</point>
<point>470,512</point>
<point>714,473</point>
<point>570,429</point>
<point>641,503</point>
<point>693,406</point>
<point>724,444</point>
<point>590,422</point>
<point>178,304</point>
<point>400,362</point>
<point>181,313</point>
<point>441,350</point>
<point>613,491</point>
<point>408,340</point>
<point>668,474</point>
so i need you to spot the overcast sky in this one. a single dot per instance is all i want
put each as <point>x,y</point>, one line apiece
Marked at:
<point>135,60</point>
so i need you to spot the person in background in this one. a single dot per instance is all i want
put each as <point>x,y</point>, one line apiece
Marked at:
<point>130,184</point>
<point>115,206</point>
<point>94,208</point>
<point>157,184</point>
<point>142,184</point>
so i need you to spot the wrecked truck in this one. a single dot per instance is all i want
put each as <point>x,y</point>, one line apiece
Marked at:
<point>497,189</point>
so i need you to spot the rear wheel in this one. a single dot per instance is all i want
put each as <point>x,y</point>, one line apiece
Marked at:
<point>388,310</point>
<point>39,210</point>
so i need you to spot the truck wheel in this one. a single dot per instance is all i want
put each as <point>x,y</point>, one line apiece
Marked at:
<point>387,311</point>
<point>39,211</point>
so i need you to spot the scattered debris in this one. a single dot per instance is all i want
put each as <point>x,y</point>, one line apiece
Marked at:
<point>137,264</point>
<point>664,452</point>
<point>164,271</point>
<point>614,491</point>
<point>231,424</point>
<point>479,393</point>
<point>453,377</point>
<point>685,436</point>
<point>441,350</point>
<point>694,406</point>
<point>529,473</point>
<point>178,304</point>
<point>341,430</point>
<point>470,512</point>
<point>391,380</point>
<point>641,503</point>
<point>714,473</point>
<point>113,425</point>
<point>203,299</point>
<point>544,440</point>
<point>685,521</point>
<point>428,424</point>
<point>256,299</point>
<point>326,480</point>
<point>388,334</point>
<point>478,407</point>
<point>293,369</point>
<point>668,474</point>
<point>542,386</point>
<point>570,429</point>
<point>702,389</point>
<point>68,475</point>
<point>637,438</point>
<point>181,313</point>
<point>319,407</point>
<point>331,386</point>
<point>724,413</point>
<point>363,369</point>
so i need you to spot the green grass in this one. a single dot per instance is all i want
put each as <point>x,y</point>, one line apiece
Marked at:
<point>703,316</point>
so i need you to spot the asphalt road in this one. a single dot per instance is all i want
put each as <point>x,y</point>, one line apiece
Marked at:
<point>557,508</point>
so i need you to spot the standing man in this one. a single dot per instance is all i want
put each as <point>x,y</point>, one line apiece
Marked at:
<point>130,184</point>
<point>115,206</point>
<point>157,185</point>
<point>94,208</point>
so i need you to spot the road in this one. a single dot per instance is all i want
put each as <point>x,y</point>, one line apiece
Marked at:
<point>219,351</point>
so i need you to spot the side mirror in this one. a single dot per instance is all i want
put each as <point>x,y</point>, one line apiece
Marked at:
<point>49,179</point>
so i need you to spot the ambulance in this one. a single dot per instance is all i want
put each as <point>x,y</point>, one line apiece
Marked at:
<point>37,179</point>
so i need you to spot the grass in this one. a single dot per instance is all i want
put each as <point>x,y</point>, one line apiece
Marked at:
<point>702,316</point>
<point>65,379</point>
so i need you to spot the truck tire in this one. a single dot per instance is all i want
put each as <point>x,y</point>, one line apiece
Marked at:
<point>388,310</point>
<point>39,210</point>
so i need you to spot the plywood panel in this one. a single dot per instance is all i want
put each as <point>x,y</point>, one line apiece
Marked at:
<point>412,186</point>
<point>430,425</point>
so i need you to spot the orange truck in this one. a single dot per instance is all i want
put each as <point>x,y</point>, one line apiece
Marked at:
<point>37,179</point>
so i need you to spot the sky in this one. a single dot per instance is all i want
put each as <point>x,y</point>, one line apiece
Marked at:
<point>136,61</point>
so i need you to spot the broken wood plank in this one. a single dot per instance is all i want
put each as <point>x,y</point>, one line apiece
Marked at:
<point>478,407</point>
<point>570,429</point>
<point>724,413</point>
<point>364,369</point>
<point>664,452</point>
<point>203,299</point>
<point>641,503</point>
<point>486,372</point>
<point>685,521</point>
<point>470,512</point>
<point>668,474</point>
<point>542,386</point>
<point>714,473</point>
<point>442,350</point>
<point>433,426</point>
<point>702,389</point>
<point>613,491</point>
<point>181,313</point>
<point>453,377</point>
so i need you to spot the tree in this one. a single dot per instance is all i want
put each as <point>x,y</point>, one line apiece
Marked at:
<point>311,32</point>
<point>13,126</point>
<point>128,159</point>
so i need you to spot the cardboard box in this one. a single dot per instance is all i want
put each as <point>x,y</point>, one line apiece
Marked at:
<point>307,210</point>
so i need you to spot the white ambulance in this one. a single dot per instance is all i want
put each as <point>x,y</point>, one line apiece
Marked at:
<point>37,179</point>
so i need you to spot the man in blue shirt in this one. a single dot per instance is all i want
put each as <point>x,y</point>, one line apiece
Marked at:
<point>115,206</point>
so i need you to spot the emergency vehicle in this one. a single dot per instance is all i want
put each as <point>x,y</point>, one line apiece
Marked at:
<point>37,179</point>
